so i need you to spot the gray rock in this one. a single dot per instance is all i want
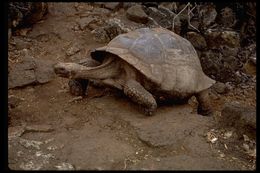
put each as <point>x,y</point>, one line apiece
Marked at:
<point>213,38</point>
<point>85,21</point>
<point>30,71</point>
<point>154,13</point>
<point>184,162</point>
<point>65,166</point>
<point>44,71</point>
<point>166,11</point>
<point>245,53</point>
<point>197,40</point>
<point>127,5</point>
<point>228,51</point>
<point>105,157</point>
<point>136,14</point>
<point>170,130</point>
<point>30,144</point>
<point>172,6</point>
<point>160,16</point>
<point>250,66</point>
<point>21,74</point>
<point>216,39</point>
<point>207,15</point>
<point>243,77</point>
<point>230,38</point>
<point>220,88</point>
<point>14,101</point>
<point>39,128</point>
<point>101,11</point>
<point>113,5</point>
<point>72,50</point>
<point>251,53</point>
<point>242,117</point>
<point>26,13</point>
<point>20,43</point>
<point>220,68</point>
<point>113,28</point>
<point>226,18</point>
<point>252,58</point>
<point>109,5</point>
<point>232,63</point>
<point>15,132</point>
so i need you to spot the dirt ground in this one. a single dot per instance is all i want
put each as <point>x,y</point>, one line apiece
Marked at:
<point>50,130</point>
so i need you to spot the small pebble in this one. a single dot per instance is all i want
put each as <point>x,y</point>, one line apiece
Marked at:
<point>222,155</point>
<point>228,134</point>
<point>245,147</point>
<point>246,138</point>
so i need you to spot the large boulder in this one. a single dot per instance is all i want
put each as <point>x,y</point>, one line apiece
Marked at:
<point>25,13</point>
<point>226,18</point>
<point>217,38</point>
<point>137,14</point>
<point>220,68</point>
<point>162,16</point>
<point>113,28</point>
<point>197,40</point>
<point>113,5</point>
<point>240,117</point>
<point>207,15</point>
<point>30,71</point>
<point>84,22</point>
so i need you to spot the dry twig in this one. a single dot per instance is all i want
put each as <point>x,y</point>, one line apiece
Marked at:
<point>189,13</point>
<point>178,15</point>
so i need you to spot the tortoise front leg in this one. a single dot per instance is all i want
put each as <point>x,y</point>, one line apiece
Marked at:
<point>138,94</point>
<point>78,87</point>
<point>204,107</point>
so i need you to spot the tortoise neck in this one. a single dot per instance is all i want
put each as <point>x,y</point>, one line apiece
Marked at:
<point>108,69</point>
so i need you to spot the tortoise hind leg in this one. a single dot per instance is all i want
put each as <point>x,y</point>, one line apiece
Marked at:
<point>204,107</point>
<point>138,94</point>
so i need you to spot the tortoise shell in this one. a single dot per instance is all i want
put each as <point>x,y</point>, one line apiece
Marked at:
<point>165,58</point>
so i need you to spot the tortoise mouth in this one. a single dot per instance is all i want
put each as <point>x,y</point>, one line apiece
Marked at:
<point>63,70</point>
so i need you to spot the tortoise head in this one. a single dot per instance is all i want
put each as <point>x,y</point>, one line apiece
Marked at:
<point>67,70</point>
<point>108,68</point>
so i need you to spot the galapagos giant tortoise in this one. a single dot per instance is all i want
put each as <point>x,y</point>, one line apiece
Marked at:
<point>149,65</point>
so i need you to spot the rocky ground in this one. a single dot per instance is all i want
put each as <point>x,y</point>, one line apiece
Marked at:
<point>50,129</point>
